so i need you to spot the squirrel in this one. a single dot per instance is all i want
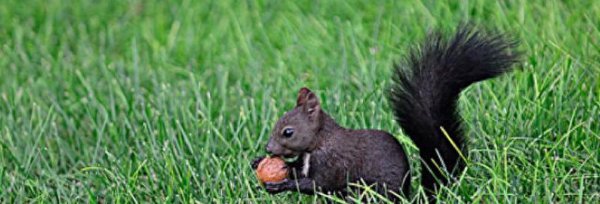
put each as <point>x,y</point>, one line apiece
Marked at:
<point>423,96</point>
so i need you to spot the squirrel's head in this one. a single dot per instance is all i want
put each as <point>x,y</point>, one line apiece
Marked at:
<point>296,132</point>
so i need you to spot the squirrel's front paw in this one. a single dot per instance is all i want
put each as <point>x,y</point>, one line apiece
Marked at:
<point>255,162</point>
<point>277,187</point>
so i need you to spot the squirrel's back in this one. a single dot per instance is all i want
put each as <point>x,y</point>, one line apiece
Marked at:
<point>426,86</point>
<point>370,156</point>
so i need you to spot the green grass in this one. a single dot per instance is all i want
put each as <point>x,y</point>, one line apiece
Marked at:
<point>137,101</point>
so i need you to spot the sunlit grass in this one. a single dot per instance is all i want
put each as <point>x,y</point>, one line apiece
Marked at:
<point>166,101</point>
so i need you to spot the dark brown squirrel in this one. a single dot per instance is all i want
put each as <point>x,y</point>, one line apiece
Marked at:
<point>423,96</point>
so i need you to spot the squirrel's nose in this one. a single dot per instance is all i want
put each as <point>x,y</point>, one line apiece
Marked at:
<point>269,148</point>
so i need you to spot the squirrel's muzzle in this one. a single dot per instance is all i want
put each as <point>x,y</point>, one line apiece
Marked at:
<point>273,147</point>
<point>276,149</point>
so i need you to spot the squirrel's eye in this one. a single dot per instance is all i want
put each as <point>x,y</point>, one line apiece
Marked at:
<point>288,132</point>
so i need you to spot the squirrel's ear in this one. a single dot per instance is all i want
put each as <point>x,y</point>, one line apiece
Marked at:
<point>308,101</point>
<point>302,96</point>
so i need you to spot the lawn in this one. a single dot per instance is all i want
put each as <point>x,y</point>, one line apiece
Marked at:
<point>168,101</point>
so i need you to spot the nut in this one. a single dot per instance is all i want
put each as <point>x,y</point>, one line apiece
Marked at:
<point>271,169</point>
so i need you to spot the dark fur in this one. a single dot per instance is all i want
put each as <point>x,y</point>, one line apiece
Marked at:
<point>423,95</point>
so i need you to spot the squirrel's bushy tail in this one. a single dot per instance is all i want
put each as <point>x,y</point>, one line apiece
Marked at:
<point>426,86</point>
